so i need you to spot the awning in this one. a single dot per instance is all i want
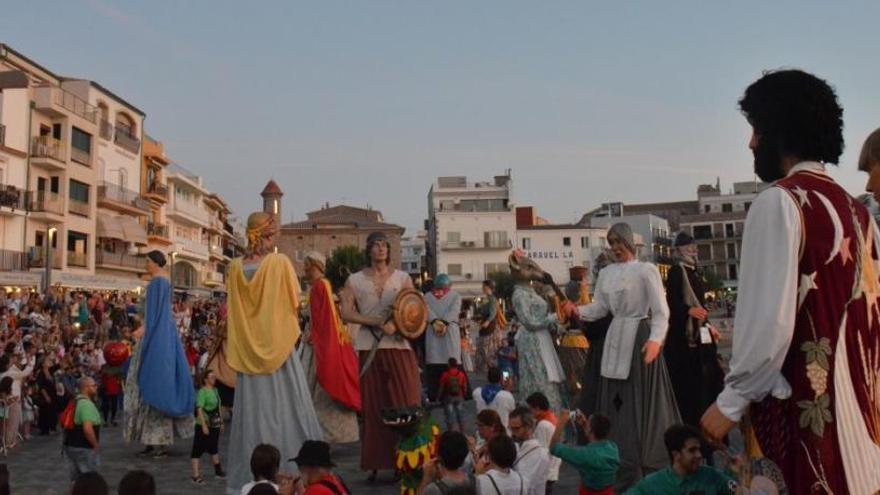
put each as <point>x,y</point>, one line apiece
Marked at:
<point>110,227</point>
<point>97,282</point>
<point>21,279</point>
<point>134,232</point>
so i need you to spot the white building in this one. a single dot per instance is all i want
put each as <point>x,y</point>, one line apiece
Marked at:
<point>412,255</point>
<point>188,222</point>
<point>557,248</point>
<point>471,229</point>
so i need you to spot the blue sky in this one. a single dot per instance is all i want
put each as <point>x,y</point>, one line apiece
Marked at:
<point>366,102</point>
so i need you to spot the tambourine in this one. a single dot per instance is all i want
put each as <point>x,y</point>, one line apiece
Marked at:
<point>410,313</point>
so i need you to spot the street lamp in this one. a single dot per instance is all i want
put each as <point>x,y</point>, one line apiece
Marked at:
<point>49,237</point>
<point>171,271</point>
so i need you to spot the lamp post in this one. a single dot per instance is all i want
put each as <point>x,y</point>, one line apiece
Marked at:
<point>171,271</point>
<point>48,250</point>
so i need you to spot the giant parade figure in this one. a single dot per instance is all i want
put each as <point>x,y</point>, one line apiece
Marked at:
<point>272,399</point>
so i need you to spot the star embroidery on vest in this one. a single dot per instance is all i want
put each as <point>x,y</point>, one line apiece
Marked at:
<point>802,195</point>
<point>845,253</point>
<point>808,283</point>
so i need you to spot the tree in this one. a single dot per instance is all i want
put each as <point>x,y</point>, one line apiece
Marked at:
<point>343,262</point>
<point>713,282</point>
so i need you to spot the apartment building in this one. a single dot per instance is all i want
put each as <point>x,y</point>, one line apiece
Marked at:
<point>412,256</point>
<point>471,229</point>
<point>221,242</point>
<point>154,189</point>
<point>188,221</point>
<point>59,145</point>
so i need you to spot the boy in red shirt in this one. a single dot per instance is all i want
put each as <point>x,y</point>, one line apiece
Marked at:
<point>111,387</point>
<point>453,389</point>
<point>314,465</point>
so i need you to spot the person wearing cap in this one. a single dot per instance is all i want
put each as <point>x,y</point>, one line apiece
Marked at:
<point>159,396</point>
<point>329,359</point>
<point>389,369</point>
<point>632,387</point>
<point>443,336</point>
<point>691,352</point>
<point>315,468</point>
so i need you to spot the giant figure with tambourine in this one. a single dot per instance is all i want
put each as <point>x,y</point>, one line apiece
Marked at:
<point>381,301</point>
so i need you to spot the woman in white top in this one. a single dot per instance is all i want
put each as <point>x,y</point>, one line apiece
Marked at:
<point>632,386</point>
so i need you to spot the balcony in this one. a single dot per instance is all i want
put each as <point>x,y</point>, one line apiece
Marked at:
<point>45,202</point>
<point>2,135</point>
<point>11,197</point>
<point>37,257</point>
<point>227,227</point>
<point>229,253</point>
<point>121,199</point>
<point>216,250</point>
<point>48,152</point>
<point>213,279</point>
<point>188,212</point>
<point>193,248</point>
<point>158,191</point>
<point>105,129</point>
<point>59,102</point>
<point>81,156</point>
<point>126,140</point>
<point>13,261</point>
<point>78,207</point>
<point>120,260</point>
<point>474,245</point>
<point>78,259</point>
<point>158,230</point>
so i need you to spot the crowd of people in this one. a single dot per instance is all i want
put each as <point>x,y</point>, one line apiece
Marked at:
<point>621,382</point>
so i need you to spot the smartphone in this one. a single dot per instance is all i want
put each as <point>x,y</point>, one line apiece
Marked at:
<point>505,375</point>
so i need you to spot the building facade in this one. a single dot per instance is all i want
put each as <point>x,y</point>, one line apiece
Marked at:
<point>654,239</point>
<point>412,257</point>
<point>471,229</point>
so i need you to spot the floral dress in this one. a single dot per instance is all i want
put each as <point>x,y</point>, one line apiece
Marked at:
<point>539,366</point>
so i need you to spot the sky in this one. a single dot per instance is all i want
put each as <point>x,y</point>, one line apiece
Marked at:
<point>365,103</point>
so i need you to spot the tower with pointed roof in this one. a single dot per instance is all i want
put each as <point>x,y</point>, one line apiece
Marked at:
<point>272,200</point>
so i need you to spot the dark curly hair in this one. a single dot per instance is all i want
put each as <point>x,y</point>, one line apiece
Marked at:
<point>798,112</point>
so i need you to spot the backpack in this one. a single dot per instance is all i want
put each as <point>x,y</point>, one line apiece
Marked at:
<point>453,386</point>
<point>332,487</point>
<point>68,414</point>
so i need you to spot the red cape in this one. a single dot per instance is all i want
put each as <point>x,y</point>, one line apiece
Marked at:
<point>337,363</point>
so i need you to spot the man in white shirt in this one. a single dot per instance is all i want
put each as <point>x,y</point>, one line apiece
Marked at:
<point>544,429</point>
<point>532,460</point>
<point>495,473</point>
<point>18,371</point>
<point>493,396</point>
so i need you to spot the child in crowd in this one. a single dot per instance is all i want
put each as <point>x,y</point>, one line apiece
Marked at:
<point>453,388</point>
<point>265,465</point>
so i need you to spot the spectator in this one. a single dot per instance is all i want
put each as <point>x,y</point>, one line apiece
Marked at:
<point>18,367</point>
<point>110,390</point>
<point>315,467</point>
<point>495,473</point>
<point>453,387</point>
<point>209,425</point>
<point>265,462</point>
<point>48,415</point>
<point>81,443</point>
<point>444,473</point>
<point>137,482</point>
<point>492,396</point>
<point>532,459</point>
<point>546,425</point>
<point>687,473</point>
<point>90,483</point>
<point>598,461</point>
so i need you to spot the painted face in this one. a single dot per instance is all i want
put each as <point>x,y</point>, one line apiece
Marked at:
<point>379,251</point>
<point>873,185</point>
<point>619,249</point>
<point>689,250</point>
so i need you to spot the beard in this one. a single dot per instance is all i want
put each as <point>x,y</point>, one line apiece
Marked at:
<point>768,163</point>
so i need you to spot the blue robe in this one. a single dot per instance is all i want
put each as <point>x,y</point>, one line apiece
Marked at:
<point>164,378</point>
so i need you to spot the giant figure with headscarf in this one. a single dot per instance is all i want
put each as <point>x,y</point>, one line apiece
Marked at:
<point>159,395</point>
<point>273,403</point>
<point>632,387</point>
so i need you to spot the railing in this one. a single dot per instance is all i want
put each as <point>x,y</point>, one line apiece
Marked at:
<point>175,168</point>
<point>48,147</point>
<point>78,207</point>
<point>190,209</point>
<point>120,259</point>
<point>37,257</point>
<point>76,258</point>
<point>113,192</point>
<point>106,130</point>
<point>72,103</point>
<point>218,250</point>
<point>45,202</point>
<point>157,230</point>
<point>474,245</point>
<point>229,253</point>
<point>13,260</point>
<point>191,246</point>
<point>80,156</point>
<point>127,141</point>
<point>11,197</point>
<point>158,189</point>
<point>215,277</point>
<point>2,135</point>
<point>228,228</point>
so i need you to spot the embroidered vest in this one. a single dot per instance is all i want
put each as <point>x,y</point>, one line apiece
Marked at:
<point>826,436</point>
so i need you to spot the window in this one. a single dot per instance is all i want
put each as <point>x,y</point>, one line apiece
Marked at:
<point>726,208</point>
<point>491,268</point>
<point>566,241</point>
<point>81,140</point>
<point>729,230</point>
<point>56,131</point>
<point>495,239</point>
<point>704,252</point>
<point>702,232</point>
<point>453,269</point>
<point>79,191</point>
<point>731,272</point>
<point>731,251</point>
<point>55,184</point>
<point>526,243</point>
<point>453,237</point>
<point>585,242</point>
<point>707,208</point>
<point>77,248</point>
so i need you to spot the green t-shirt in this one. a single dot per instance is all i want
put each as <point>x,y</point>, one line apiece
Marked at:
<point>706,481</point>
<point>208,400</point>
<point>597,462</point>
<point>86,411</point>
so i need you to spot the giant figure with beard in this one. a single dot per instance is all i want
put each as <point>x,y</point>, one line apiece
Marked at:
<point>806,337</point>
